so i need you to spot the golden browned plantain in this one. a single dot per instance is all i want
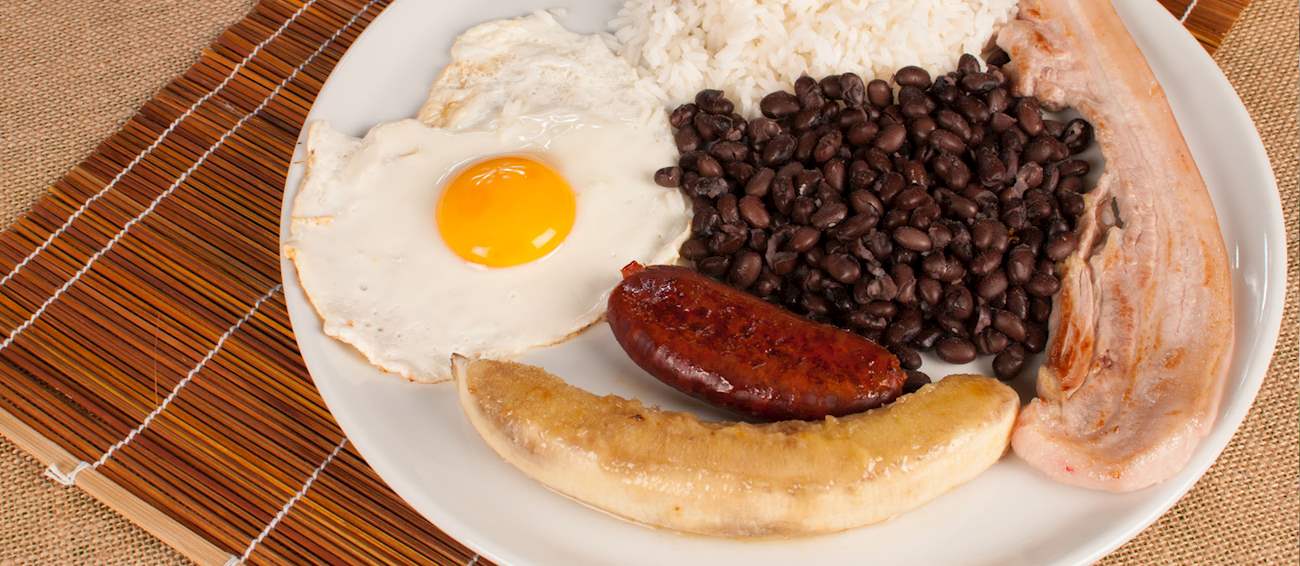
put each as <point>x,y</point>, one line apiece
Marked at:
<point>672,470</point>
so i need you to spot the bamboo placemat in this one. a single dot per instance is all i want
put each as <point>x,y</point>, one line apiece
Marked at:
<point>244,459</point>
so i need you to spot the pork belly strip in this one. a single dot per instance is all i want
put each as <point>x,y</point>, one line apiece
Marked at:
<point>1143,328</point>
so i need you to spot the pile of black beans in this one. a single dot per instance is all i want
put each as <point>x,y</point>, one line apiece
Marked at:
<point>929,214</point>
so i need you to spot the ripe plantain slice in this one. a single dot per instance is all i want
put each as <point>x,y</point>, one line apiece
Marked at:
<point>672,470</point>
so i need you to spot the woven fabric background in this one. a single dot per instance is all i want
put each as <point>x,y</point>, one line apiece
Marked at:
<point>72,75</point>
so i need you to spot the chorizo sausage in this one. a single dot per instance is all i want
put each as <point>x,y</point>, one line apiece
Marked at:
<point>736,351</point>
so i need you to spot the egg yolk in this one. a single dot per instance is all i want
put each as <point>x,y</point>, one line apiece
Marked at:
<point>505,211</point>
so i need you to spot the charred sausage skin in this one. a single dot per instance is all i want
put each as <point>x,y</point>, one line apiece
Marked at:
<point>738,352</point>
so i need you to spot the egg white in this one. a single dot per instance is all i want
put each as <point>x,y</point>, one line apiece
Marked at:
<point>369,255</point>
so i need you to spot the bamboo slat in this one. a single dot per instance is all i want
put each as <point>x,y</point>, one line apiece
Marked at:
<point>213,469</point>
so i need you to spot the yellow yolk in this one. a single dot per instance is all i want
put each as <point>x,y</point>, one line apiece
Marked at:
<point>505,211</point>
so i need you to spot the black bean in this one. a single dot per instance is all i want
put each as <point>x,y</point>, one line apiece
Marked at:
<point>954,123</point>
<point>827,146</point>
<point>727,209</point>
<point>729,151</point>
<point>915,381</point>
<point>1009,362</point>
<point>865,201</point>
<point>807,141</point>
<point>958,302</point>
<point>908,358</point>
<point>985,262</point>
<point>833,173</point>
<point>842,268</point>
<point>962,208</point>
<point>779,104</point>
<point>940,235</point>
<point>855,226</point>
<point>1000,122</point>
<point>905,280</point>
<point>694,249</point>
<point>707,166</point>
<point>992,285</point>
<point>912,239</point>
<point>1077,135</point>
<point>711,126</point>
<point>766,284</point>
<point>804,238</point>
<point>753,212</point>
<point>760,182</point>
<point>888,186</point>
<point>669,177</point>
<point>991,342</point>
<point>883,309</point>
<point>744,270</point>
<point>912,75</point>
<point>713,266</point>
<point>682,115</point>
<point>955,350</point>
<point>997,100</point>
<point>806,119</point>
<point>978,83</point>
<point>904,328</point>
<point>990,168</point>
<point>967,64</point>
<point>814,304</point>
<point>910,198</point>
<point>919,130</point>
<point>1009,324</point>
<point>929,290</point>
<point>687,139</point>
<point>711,100</point>
<point>875,289</point>
<point>1020,265</point>
<point>1053,128</point>
<point>946,141</point>
<point>829,215</point>
<point>1043,285</point>
<point>779,150</point>
<point>985,233</point>
<point>1035,338</point>
<point>1017,302</point>
<point>1030,116</point>
<point>972,109</point>
<point>762,129</point>
<point>891,138</point>
<point>802,210</point>
<point>1072,204</point>
<point>1061,246</point>
<point>727,241</point>
<point>757,240</point>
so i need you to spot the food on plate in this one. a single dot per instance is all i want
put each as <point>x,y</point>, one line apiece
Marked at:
<point>1144,333</point>
<point>739,352</point>
<point>502,231</point>
<point>754,47</point>
<point>505,70</point>
<point>674,471</point>
<point>926,214</point>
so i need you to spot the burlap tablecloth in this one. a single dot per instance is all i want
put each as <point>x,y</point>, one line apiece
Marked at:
<point>72,72</point>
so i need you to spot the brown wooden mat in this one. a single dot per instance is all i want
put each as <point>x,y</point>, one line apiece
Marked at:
<point>166,276</point>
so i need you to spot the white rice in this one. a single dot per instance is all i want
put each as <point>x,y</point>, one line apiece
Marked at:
<point>749,48</point>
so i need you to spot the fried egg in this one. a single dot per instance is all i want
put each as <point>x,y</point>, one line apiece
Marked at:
<point>499,230</point>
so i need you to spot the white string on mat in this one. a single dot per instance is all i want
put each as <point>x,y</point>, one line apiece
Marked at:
<point>90,262</point>
<point>156,142</point>
<point>70,478</point>
<point>284,511</point>
<point>1187,12</point>
<point>472,561</point>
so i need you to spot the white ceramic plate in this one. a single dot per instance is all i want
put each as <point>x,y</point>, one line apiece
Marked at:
<point>416,437</point>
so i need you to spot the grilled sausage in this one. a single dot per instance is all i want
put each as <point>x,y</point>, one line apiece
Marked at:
<point>738,352</point>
